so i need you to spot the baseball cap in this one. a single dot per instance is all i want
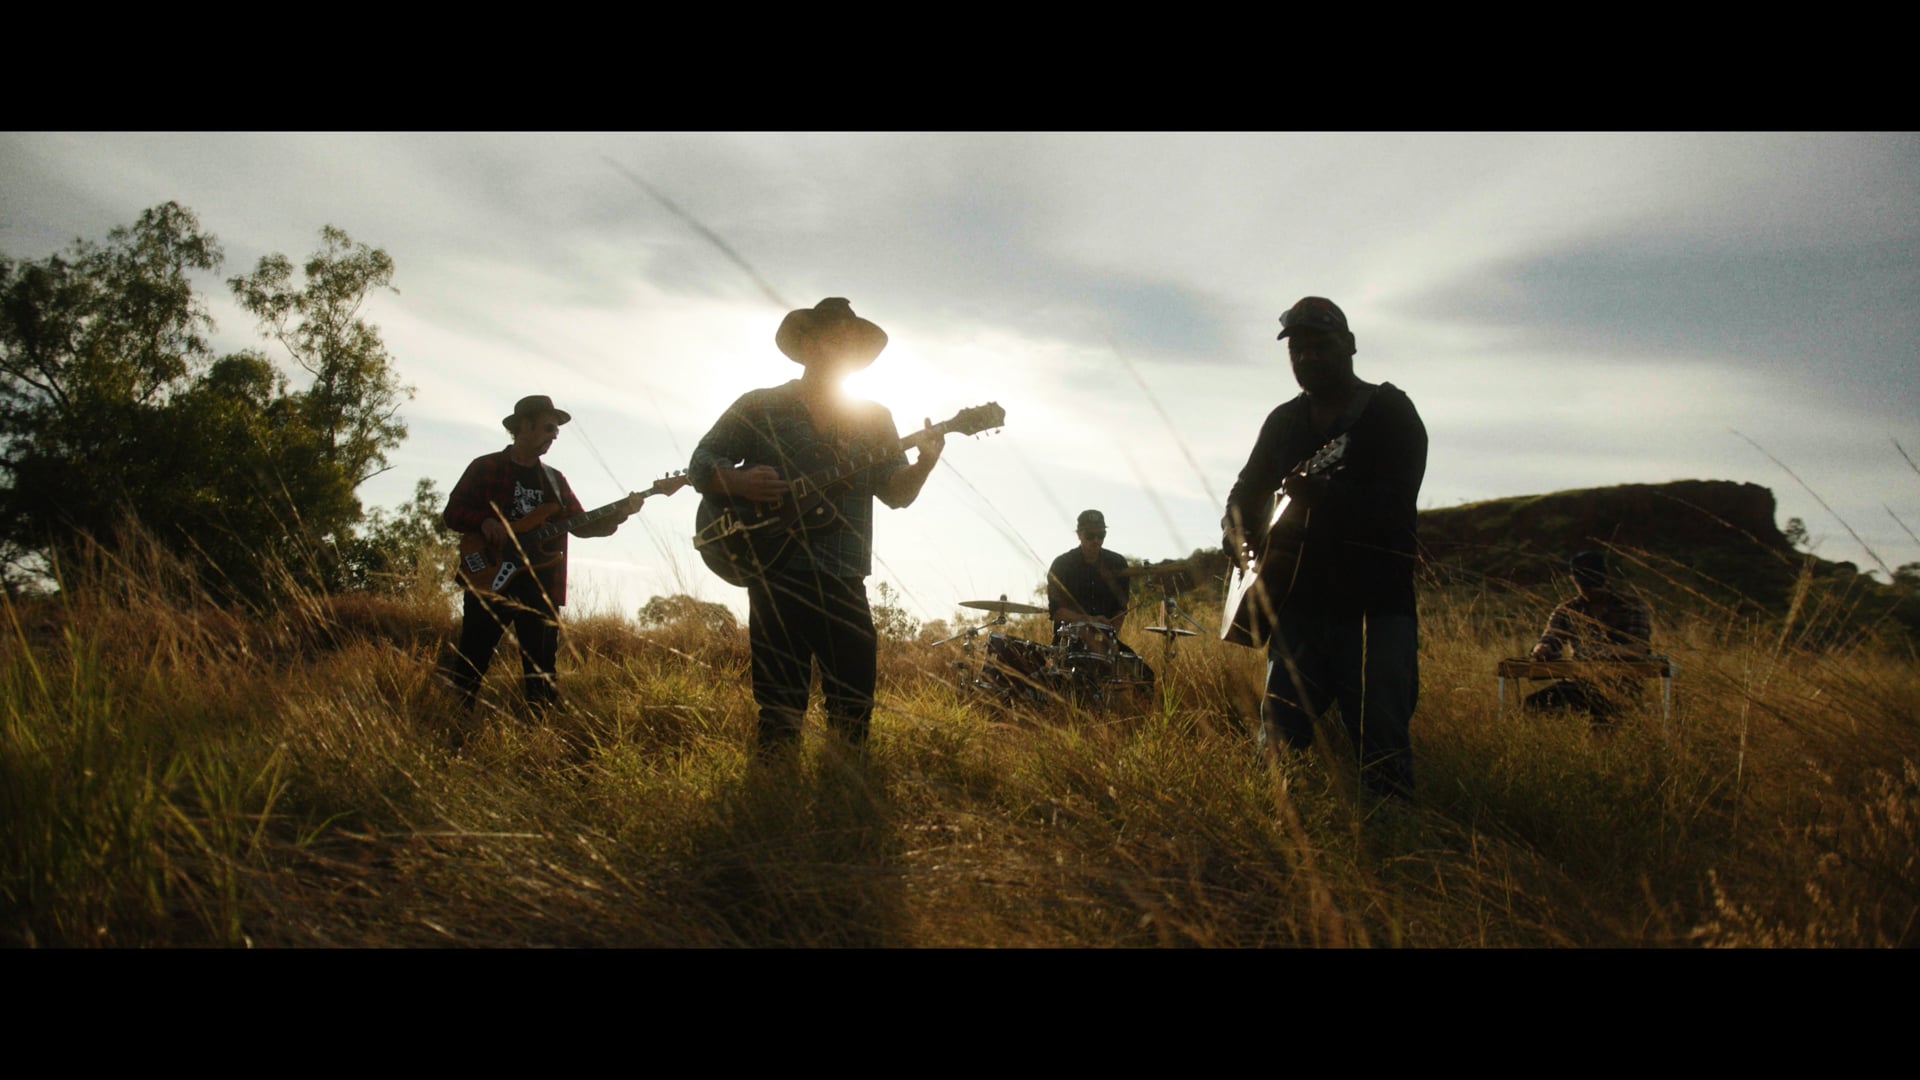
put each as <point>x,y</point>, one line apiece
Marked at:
<point>1313,313</point>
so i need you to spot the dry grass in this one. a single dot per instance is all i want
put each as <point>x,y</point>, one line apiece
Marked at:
<point>178,774</point>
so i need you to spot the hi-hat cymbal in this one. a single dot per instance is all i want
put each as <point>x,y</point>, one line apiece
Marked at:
<point>1003,606</point>
<point>1176,631</point>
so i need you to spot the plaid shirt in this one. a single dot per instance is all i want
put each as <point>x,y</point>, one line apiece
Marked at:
<point>1605,626</point>
<point>489,482</point>
<point>773,426</point>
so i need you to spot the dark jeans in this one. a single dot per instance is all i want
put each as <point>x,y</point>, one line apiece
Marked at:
<point>794,620</point>
<point>535,626</point>
<point>1369,666</point>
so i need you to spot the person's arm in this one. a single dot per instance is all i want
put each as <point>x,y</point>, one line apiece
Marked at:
<point>1060,606</point>
<point>714,468</point>
<point>606,526</point>
<point>467,503</point>
<point>1552,643</point>
<point>900,487</point>
<point>1250,501</point>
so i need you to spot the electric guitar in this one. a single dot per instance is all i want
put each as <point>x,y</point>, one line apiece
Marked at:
<point>1257,591</point>
<point>742,540</point>
<point>490,571</point>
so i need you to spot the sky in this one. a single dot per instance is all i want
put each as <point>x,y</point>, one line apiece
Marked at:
<point>1565,310</point>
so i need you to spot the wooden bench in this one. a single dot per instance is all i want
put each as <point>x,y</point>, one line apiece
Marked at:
<point>1647,667</point>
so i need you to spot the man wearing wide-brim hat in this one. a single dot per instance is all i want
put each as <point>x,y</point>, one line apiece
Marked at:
<point>497,490</point>
<point>812,608</point>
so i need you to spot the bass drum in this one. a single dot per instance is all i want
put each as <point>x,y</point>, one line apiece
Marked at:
<point>1016,655</point>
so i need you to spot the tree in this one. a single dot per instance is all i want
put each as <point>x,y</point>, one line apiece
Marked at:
<point>1796,533</point>
<point>92,342</point>
<point>660,612</point>
<point>114,410</point>
<point>355,397</point>
<point>403,551</point>
<point>891,621</point>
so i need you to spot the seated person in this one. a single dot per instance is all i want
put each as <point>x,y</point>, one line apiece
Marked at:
<point>1088,585</point>
<point>1599,624</point>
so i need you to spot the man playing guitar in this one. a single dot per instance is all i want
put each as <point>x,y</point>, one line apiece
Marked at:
<point>1344,629</point>
<point>812,605</point>
<point>496,490</point>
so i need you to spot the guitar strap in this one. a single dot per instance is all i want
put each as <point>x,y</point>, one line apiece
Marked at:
<point>1352,414</point>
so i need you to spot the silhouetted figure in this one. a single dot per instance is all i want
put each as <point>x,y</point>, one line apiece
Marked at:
<point>1089,593</point>
<point>1599,624</point>
<point>515,484</point>
<point>1346,630</point>
<point>812,606</point>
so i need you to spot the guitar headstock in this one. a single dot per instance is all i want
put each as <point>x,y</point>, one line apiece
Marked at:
<point>977,419</point>
<point>1327,457</point>
<point>670,483</point>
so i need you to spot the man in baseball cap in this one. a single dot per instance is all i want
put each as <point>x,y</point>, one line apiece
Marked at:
<point>1339,621</point>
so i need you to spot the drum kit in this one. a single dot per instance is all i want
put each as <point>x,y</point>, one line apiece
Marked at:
<point>1086,664</point>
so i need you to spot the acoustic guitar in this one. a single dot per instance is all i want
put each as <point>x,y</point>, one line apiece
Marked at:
<point>533,548</point>
<point>1258,590</point>
<point>742,540</point>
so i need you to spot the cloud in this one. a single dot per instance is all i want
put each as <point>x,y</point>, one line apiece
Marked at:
<point>1832,321</point>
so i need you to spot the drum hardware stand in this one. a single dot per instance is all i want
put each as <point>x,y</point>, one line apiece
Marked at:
<point>1169,611</point>
<point>1001,609</point>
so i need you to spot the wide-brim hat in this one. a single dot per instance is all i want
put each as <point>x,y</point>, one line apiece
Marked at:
<point>829,329</point>
<point>532,405</point>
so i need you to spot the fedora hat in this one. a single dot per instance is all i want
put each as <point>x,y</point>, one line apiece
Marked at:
<point>829,329</point>
<point>532,405</point>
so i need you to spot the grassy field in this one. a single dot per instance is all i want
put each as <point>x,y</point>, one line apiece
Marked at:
<point>173,774</point>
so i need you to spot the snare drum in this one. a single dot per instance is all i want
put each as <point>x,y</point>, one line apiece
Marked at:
<point>1087,667</point>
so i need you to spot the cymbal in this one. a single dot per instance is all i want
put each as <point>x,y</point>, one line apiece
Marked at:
<point>1003,606</point>
<point>1176,631</point>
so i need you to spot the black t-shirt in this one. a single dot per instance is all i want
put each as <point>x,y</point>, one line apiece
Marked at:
<point>1096,590</point>
<point>1359,550</point>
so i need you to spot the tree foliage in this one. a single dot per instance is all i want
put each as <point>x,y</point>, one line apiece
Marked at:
<point>1795,533</point>
<point>114,409</point>
<point>660,612</point>
<point>405,551</point>
<point>355,398</point>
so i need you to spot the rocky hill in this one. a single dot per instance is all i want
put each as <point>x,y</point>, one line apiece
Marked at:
<point>1711,545</point>
<point>1716,529</point>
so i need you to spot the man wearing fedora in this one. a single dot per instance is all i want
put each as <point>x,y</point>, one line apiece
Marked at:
<point>1346,633</point>
<point>510,484</point>
<point>813,607</point>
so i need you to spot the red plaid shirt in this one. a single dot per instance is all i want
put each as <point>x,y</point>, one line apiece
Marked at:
<point>490,482</point>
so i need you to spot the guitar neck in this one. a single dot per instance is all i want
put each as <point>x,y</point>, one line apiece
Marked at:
<point>865,459</point>
<point>555,528</point>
